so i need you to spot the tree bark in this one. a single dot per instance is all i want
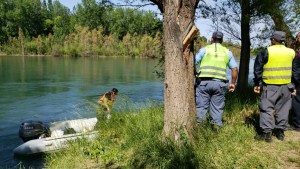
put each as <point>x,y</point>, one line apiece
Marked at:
<point>179,97</point>
<point>245,47</point>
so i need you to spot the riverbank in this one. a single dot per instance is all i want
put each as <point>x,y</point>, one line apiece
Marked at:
<point>133,140</point>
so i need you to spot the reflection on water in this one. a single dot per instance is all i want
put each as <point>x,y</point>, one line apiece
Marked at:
<point>250,76</point>
<point>51,89</point>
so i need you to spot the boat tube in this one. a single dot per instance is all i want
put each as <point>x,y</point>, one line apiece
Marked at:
<point>41,138</point>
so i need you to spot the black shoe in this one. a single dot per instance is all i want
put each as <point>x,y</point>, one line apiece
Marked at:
<point>264,136</point>
<point>279,134</point>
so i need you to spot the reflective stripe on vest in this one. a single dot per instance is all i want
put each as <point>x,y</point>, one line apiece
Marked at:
<point>278,69</point>
<point>214,62</point>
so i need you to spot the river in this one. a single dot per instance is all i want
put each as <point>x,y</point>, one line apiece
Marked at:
<point>55,88</point>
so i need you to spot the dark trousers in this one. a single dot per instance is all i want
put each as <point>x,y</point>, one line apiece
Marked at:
<point>295,113</point>
<point>275,103</point>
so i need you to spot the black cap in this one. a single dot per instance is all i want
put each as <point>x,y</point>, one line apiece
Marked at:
<point>218,35</point>
<point>278,36</point>
<point>114,90</point>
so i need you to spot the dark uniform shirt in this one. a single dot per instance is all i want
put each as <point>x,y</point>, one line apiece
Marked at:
<point>296,70</point>
<point>260,60</point>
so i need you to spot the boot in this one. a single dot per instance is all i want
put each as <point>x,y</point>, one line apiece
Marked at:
<point>279,134</point>
<point>267,137</point>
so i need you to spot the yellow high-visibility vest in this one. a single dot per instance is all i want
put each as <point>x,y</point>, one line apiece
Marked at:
<point>278,69</point>
<point>214,62</point>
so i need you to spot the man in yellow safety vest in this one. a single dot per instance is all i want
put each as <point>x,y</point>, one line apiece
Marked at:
<point>273,67</point>
<point>212,62</point>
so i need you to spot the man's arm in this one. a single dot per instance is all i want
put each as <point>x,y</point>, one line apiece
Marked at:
<point>199,55</point>
<point>103,101</point>
<point>100,101</point>
<point>234,75</point>
<point>260,60</point>
<point>234,71</point>
<point>296,70</point>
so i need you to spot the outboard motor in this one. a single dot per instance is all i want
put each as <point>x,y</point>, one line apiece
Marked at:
<point>30,130</point>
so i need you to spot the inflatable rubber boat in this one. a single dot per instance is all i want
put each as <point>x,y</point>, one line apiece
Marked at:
<point>42,138</point>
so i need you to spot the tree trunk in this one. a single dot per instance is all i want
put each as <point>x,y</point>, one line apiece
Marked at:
<point>245,48</point>
<point>179,99</point>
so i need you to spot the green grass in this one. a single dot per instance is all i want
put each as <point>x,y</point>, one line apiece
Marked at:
<point>133,140</point>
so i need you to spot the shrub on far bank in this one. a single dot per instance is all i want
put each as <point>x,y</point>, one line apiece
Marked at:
<point>85,42</point>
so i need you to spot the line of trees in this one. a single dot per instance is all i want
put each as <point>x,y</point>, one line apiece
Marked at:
<point>85,42</point>
<point>91,28</point>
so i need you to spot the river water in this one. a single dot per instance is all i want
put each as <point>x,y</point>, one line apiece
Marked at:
<point>53,88</point>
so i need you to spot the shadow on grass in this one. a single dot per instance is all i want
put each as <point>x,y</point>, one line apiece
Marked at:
<point>166,154</point>
<point>253,120</point>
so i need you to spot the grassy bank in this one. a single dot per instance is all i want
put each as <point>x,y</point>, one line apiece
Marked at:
<point>133,140</point>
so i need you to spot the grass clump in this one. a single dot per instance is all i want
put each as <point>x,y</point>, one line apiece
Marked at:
<point>133,140</point>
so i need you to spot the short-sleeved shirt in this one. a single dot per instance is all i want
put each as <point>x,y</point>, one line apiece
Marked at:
<point>199,56</point>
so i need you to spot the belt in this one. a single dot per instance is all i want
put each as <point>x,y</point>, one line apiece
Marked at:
<point>212,79</point>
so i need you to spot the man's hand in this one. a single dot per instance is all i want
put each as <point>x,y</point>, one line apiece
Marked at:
<point>256,89</point>
<point>294,92</point>
<point>231,87</point>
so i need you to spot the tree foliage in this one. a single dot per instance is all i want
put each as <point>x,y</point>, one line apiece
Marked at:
<point>265,17</point>
<point>128,20</point>
<point>93,14</point>
<point>245,20</point>
<point>47,22</point>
